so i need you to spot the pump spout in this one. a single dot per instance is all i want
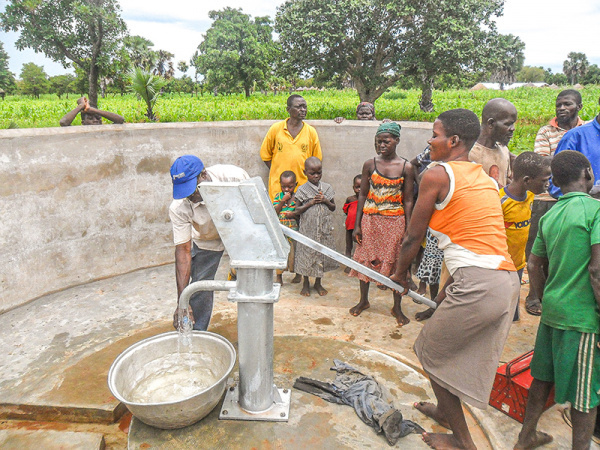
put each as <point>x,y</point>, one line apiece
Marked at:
<point>203,285</point>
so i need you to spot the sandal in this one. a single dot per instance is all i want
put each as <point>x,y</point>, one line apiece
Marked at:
<point>533,306</point>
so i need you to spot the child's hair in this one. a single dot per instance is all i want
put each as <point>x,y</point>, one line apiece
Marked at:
<point>287,174</point>
<point>567,167</point>
<point>529,164</point>
<point>462,123</point>
<point>357,177</point>
<point>313,161</point>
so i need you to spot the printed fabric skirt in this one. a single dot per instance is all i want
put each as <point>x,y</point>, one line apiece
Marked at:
<point>381,242</point>
<point>431,265</point>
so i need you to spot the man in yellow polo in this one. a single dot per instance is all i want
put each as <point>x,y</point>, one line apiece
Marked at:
<point>288,144</point>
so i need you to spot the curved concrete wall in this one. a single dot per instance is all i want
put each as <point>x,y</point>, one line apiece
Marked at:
<point>85,203</point>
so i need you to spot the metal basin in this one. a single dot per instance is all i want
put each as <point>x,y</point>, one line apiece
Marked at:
<point>131,366</point>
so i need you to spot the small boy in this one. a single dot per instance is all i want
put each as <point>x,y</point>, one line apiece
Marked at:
<point>285,207</point>
<point>566,353</point>
<point>314,204</point>
<point>531,173</point>
<point>350,210</point>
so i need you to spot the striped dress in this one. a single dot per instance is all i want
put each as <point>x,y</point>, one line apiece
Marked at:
<point>316,223</point>
<point>383,225</point>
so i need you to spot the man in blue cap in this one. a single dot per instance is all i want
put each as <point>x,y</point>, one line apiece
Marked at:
<point>198,247</point>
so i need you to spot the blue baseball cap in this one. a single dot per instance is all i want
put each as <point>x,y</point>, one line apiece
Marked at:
<point>184,174</point>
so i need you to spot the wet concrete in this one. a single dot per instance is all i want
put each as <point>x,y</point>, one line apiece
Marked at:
<point>56,352</point>
<point>313,423</point>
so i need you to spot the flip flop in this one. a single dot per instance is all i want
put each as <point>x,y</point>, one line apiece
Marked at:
<point>533,307</point>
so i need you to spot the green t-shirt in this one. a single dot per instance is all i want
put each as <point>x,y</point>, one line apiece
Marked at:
<point>565,236</point>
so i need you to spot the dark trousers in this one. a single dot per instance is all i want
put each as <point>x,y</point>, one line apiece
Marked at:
<point>204,267</point>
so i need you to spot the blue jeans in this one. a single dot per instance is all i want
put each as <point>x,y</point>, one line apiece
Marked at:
<point>204,267</point>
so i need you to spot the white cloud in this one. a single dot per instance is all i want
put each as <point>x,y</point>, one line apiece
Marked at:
<point>549,29</point>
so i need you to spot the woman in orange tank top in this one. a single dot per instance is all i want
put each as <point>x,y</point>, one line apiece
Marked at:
<point>459,347</point>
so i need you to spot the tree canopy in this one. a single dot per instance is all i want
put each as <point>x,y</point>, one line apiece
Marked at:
<point>34,80</point>
<point>84,32</point>
<point>448,38</point>
<point>377,42</point>
<point>7,79</point>
<point>237,51</point>
<point>507,59</point>
<point>575,66</point>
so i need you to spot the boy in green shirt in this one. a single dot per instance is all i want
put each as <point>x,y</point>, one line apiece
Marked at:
<point>567,354</point>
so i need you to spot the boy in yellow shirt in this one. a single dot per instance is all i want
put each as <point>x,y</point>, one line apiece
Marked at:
<point>531,173</point>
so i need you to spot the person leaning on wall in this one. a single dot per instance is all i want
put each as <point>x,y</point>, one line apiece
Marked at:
<point>89,114</point>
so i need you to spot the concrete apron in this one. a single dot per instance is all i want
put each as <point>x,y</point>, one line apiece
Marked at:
<point>56,352</point>
<point>314,422</point>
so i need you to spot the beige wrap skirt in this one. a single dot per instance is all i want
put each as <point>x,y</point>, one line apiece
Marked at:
<point>461,344</point>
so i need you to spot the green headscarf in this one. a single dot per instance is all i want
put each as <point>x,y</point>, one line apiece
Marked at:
<point>389,127</point>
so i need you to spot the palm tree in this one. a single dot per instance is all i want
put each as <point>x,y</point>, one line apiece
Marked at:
<point>147,87</point>
<point>164,65</point>
<point>575,66</point>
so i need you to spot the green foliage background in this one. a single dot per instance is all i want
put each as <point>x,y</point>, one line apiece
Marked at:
<point>535,107</point>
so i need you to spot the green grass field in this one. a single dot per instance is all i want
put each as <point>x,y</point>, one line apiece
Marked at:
<point>535,107</point>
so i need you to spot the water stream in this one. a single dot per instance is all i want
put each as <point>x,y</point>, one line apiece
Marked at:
<point>176,376</point>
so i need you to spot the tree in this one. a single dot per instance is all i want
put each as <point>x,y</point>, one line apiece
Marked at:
<point>183,67</point>
<point>592,76</point>
<point>362,39</point>
<point>507,58</point>
<point>376,43</point>
<point>559,79</point>
<point>164,65</point>
<point>35,80</point>
<point>85,32</point>
<point>237,52</point>
<point>444,39</point>
<point>140,52</point>
<point>530,74</point>
<point>148,88</point>
<point>575,66</point>
<point>7,79</point>
<point>61,84</point>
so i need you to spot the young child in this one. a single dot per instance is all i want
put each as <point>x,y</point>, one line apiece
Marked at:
<point>384,207</point>
<point>314,205</point>
<point>531,173</point>
<point>285,207</point>
<point>566,353</point>
<point>350,211</point>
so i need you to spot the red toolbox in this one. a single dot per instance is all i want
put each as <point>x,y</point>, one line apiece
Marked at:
<point>511,387</point>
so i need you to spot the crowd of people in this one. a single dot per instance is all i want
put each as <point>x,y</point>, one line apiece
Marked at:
<point>473,217</point>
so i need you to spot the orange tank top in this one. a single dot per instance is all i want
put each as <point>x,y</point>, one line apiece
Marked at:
<point>469,223</point>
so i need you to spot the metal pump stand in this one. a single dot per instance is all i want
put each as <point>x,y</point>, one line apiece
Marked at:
<point>254,239</point>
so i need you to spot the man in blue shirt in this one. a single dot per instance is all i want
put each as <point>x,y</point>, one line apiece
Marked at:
<point>584,139</point>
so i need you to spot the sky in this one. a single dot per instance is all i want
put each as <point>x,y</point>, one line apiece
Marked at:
<point>178,25</point>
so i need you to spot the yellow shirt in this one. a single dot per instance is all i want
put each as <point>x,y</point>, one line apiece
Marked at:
<point>517,218</point>
<point>287,153</point>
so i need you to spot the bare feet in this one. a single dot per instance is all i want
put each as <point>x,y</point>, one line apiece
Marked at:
<point>431,410</point>
<point>279,279</point>
<point>305,291</point>
<point>400,317</point>
<point>320,289</point>
<point>533,441</point>
<point>347,269</point>
<point>442,441</point>
<point>422,288</point>
<point>424,315</point>
<point>297,278</point>
<point>360,307</point>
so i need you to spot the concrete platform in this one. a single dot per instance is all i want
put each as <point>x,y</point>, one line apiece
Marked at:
<point>55,353</point>
<point>50,440</point>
